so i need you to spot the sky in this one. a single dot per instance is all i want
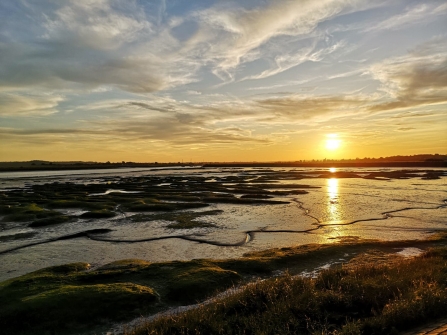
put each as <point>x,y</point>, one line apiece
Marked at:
<point>203,81</point>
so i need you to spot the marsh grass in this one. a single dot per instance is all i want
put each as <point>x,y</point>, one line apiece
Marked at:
<point>26,212</point>
<point>180,220</point>
<point>355,299</point>
<point>371,294</point>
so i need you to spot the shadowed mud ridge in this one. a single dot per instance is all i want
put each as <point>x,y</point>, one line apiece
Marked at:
<point>87,233</point>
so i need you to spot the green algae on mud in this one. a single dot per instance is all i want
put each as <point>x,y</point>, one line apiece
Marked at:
<point>74,296</point>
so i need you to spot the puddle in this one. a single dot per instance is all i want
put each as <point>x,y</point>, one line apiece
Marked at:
<point>410,252</point>
<point>314,273</point>
<point>115,191</point>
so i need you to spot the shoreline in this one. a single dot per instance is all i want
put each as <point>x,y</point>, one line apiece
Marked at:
<point>334,164</point>
<point>159,166</point>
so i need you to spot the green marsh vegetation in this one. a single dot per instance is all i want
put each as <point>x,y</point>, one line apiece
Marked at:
<point>25,212</point>
<point>370,293</point>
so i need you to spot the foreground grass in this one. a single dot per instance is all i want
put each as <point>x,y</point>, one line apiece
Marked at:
<point>360,298</point>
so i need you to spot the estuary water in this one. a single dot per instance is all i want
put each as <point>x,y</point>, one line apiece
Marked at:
<point>295,206</point>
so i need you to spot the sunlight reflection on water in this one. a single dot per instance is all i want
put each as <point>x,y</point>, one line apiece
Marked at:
<point>334,210</point>
<point>333,204</point>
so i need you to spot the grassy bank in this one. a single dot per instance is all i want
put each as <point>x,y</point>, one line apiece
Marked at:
<point>352,299</point>
<point>358,298</point>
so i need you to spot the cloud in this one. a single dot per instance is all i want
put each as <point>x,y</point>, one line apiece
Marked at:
<point>84,45</point>
<point>243,32</point>
<point>417,79</point>
<point>311,109</point>
<point>411,115</point>
<point>95,24</point>
<point>13,104</point>
<point>133,46</point>
<point>286,61</point>
<point>413,15</point>
<point>164,120</point>
<point>169,131</point>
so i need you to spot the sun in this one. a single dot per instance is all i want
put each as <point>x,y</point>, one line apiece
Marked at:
<point>332,143</point>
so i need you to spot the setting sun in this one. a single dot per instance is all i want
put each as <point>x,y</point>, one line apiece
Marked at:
<point>332,143</point>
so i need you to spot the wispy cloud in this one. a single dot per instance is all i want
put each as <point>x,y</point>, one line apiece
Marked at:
<point>419,78</point>
<point>242,33</point>
<point>416,14</point>
<point>286,61</point>
<point>102,42</point>
<point>28,104</point>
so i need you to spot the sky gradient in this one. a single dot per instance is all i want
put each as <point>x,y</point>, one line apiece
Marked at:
<point>166,81</point>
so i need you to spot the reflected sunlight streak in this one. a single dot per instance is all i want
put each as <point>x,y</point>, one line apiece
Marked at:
<point>333,206</point>
<point>332,189</point>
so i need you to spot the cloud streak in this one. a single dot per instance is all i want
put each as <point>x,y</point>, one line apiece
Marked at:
<point>413,15</point>
<point>28,104</point>
<point>414,80</point>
